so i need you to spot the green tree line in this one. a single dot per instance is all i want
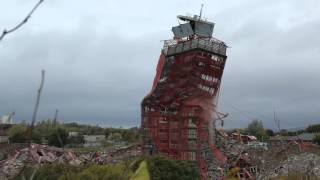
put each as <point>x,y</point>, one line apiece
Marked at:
<point>57,134</point>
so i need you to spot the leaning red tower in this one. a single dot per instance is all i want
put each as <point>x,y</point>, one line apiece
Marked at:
<point>178,115</point>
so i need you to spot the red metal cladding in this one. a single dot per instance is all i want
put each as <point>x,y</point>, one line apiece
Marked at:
<point>178,113</point>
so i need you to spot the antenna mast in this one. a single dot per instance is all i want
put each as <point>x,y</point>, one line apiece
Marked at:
<point>201,11</point>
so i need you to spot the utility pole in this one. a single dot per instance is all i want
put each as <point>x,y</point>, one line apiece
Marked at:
<point>277,122</point>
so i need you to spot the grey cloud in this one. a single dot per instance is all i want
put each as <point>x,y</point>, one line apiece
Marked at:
<point>90,78</point>
<point>99,71</point>
<point>270,67</point>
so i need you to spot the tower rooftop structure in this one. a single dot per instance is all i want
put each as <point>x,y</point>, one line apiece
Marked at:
<point>195,33</point>
<point>194,25</point>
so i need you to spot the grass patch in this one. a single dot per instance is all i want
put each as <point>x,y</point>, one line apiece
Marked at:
<point>142,172</point>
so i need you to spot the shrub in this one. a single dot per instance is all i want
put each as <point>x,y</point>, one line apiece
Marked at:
<point>316,139</point>
<point>19,134</point>
<point>50,172</point>
<point>162,168</point>
<point>58,137</point>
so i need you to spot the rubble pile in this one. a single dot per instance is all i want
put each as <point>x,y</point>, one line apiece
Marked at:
<point>9,149</point>
<point>37,154</point>
<point>242,161</point>
<point>245,161</point>
<point>305,163</point>
<point>259,161</point>
<point>239,162</point>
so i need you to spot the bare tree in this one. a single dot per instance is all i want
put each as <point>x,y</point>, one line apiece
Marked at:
<point>24,21</point>
<point>34,116</point>
<point>55,117</point>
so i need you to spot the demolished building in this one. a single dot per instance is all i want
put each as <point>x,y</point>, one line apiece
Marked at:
<point>35,155</point>
<point>179,114</point>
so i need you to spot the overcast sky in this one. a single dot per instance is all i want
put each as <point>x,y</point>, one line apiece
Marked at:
<point>100,58</point>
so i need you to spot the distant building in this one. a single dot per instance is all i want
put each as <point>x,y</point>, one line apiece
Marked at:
<point>73,134</point>
<point>278,140</point>
<point>7,119</point>
<point>307,137</point>
<point>93,140</point>
<point>258,145</point>
<point>244,138</point>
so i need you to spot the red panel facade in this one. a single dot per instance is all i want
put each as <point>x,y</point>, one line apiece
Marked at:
<point>177,116</point>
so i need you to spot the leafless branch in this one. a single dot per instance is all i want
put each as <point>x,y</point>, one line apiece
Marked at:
<point>25,20</point>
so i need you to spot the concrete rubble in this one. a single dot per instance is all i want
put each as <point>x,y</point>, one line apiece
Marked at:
<point>243,161</point>
<point>37,154</point>
<point>258,162</point>
<point>305,163</point>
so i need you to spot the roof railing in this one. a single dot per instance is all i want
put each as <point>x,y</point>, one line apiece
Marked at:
<point>172,47</point>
